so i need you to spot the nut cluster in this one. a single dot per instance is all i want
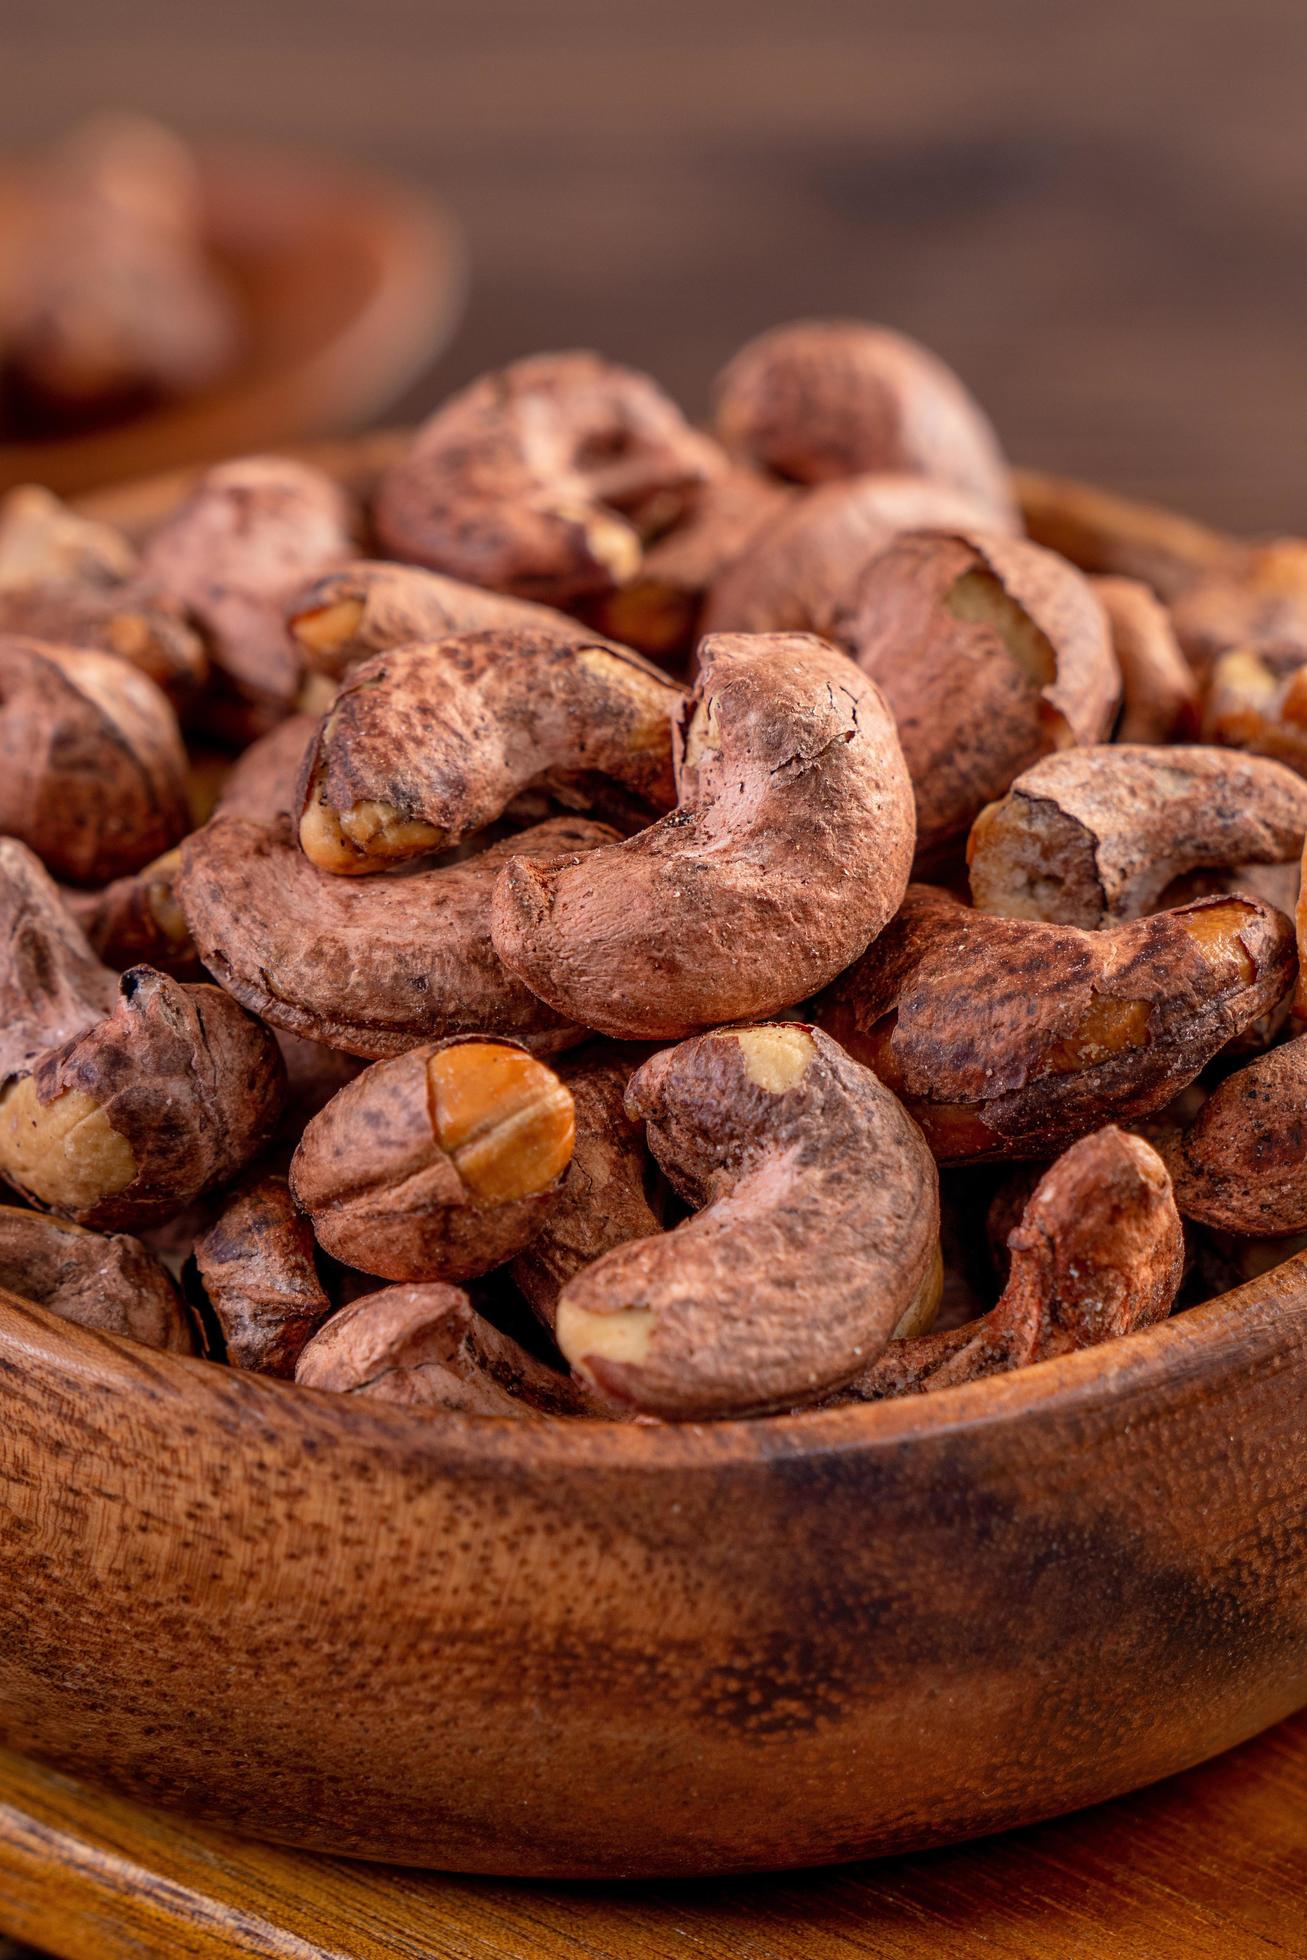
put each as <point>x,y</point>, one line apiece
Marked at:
<point>702,924</point>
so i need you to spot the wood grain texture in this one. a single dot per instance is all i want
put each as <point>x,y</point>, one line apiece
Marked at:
<point>1211,1865</point>
<point>1095,213</point>
<point>604,1650</point>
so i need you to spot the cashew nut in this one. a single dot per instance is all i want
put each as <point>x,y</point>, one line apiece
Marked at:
<point>1092,836</point>
<point>788,851</point>
<point>111,1284</point>
<point>261,1286</point>
<point>818,1234</point>
<point>1010,1038</point>
<point>1241,1164</point>
<point>1159,693</point>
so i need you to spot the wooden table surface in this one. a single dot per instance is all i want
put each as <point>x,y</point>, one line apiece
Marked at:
<point>1211,1865</point>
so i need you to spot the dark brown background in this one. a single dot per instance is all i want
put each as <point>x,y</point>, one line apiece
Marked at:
<point>1096,212</point>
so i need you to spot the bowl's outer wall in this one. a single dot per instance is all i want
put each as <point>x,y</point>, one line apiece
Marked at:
<point>584,1649</point>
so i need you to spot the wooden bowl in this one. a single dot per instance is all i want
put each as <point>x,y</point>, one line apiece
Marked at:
<point>590,1650</point>
<point>596,1650</point>
<point>351,284</point>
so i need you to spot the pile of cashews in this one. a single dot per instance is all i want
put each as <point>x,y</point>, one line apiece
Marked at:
<point>587,917</point>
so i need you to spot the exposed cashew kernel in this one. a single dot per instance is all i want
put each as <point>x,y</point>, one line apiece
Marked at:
<point>428,744</point>
<point>836,398</point>
<point>249,535</point>
<point>111,1284</point>
<point>787,853</point>
<point>991,653</point>
<point>1093,836</point>
<point>800,572</point>
<point>607,1195</point>
<point>439,1164</point>
<point>1159,694</point>
<point>127,1122</point>
<point>369,607</point>
<point>1010,1037</point>
<point>1099,1252</point>
<point>1259,703</point>
<point>426,1348</point>
<point>818,1232</point>
<point>541,480</point>
<point>137,920</point>
<point>43,542</point>
<point>1241,1164</point>
<point>1104,533</point>
<point>370,965</point>
<point>92,770</point>
<point>261,1285</point>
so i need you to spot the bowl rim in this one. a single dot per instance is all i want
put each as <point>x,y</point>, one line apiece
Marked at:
<point>1189,1343</point>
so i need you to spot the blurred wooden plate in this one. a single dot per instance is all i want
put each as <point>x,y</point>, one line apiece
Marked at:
<point>351,283</point>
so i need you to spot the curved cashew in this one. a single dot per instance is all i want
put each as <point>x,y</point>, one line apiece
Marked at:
<point>142,627</point>
<point>43,542</point>
<point>92,770</point>
<point>372,606</point>
<point>439,1164</point>
<point>1159,694</point>
<point>261,1286</point>
<point>1092,836</point>
<point>137,921</point>
<point>1241,1165</point>
<point>1259,602</point>
<point>1010,1038</point>
<point>1103,533</point>
<point>818,1237</point>
<point>52,986</point>
<point>1098,1253</point>
<point>787,853</point>
<point>835,398</point>
<point>111,1284</point>
<point>541,479</point>
<point>990,652</point>
<point>800,571</point>
<point>606,1197</point>
<point>426,1348</point>
<point>261,784</point>
<point>372,965</point>
<point>428,744</point>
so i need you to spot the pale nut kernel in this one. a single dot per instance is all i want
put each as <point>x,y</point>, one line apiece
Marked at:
<point>504,1119</point>
<point>66,1153</point>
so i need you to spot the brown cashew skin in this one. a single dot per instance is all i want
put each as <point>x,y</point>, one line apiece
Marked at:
<point>1011,1038</point>
<point>1117,536</point>
<point>1259,602</point>
<point>372,606</point>
<point>1098,1253</point>
<point>126,1123</point>
<point>113,1284</point>
<point>658,611</point>
<point>248,536</point>
<point>52,985</point>
<point>608,1194</point>
<point>799,573</point>
<point>816,1238</point>
<point>1159,693</point>
<point>541,480</point>
<point>439,1164</point>
<point>990,652</point>
<point>92,769</point>
<point>425,1347</point>
<point>1241,1164</point>
<point>262,782</point>
<point>145,628</point>
<point>788,851</point>
<point>428,744</point>
<point>818,399</point>
<point>1093,836</point>
<point>369,965</point>
<point>260,1278</point>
